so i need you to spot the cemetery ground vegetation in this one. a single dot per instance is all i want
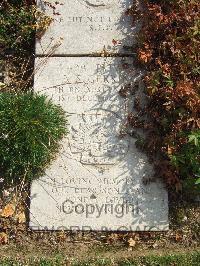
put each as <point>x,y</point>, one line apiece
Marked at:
<point>31,127</point>
<point>188,259</point>
<point>19,20</point>
<point>168,50</point>
<point>17,33</point>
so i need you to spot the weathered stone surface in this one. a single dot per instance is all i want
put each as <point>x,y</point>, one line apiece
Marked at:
<point>87,27</point>
<point>96,181</point>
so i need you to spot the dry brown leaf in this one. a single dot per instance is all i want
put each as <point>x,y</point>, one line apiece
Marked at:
<point>113,238</point>
<point>21,217</point>
<point>155,245</point>
<point>131,242</point>
<point>178,237</point>
<point>3,238</point>
<point>137,237</point>
<point>61,237</point>
<point>8,210</point>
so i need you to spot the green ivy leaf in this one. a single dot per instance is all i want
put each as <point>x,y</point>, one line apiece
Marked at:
<point>197,182</point>
<point>193,138</point>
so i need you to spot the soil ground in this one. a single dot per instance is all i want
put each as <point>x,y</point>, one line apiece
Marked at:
<point>22,243</point>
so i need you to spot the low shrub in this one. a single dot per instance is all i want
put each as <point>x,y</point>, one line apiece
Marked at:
<point>31,127</point>
<point>187,158</point>
<point>19,20</point>
<point>168,49</point>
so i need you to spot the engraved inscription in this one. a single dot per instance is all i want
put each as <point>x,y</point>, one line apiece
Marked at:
<point>96,181</point>
<point>87,27</point>
<point>97,112</point>
<point>98,4</point>
<point>95,23</point>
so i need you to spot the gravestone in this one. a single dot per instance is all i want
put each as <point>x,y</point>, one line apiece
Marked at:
<point>87,27</point>
<point>96,182</point>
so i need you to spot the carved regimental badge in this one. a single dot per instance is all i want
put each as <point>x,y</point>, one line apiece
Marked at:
<point>95,139</point>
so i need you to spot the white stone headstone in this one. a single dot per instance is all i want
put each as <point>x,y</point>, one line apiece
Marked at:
<point>96,183</point>
<point>87,27</point>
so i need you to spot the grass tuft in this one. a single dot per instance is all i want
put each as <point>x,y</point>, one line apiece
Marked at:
<point>31,127</point>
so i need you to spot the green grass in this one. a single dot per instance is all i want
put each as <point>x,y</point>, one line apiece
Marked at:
<point>187,259</point>
<point>192,259</point>
<point>16,27</point>
<point>31,127</point>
